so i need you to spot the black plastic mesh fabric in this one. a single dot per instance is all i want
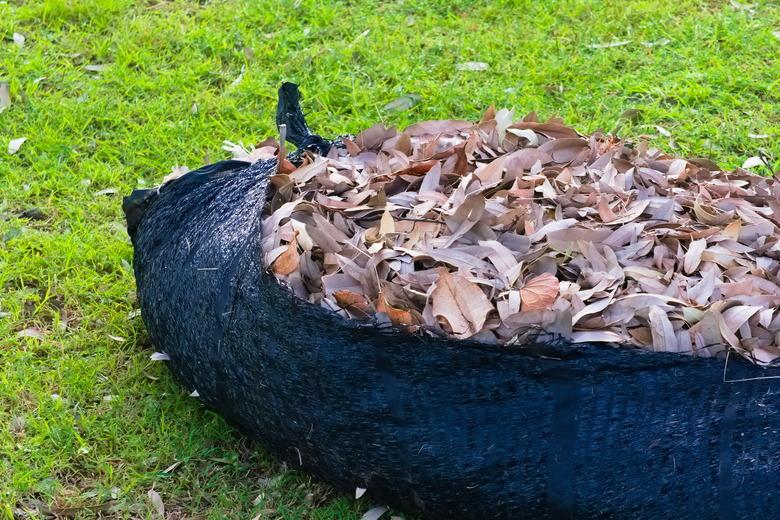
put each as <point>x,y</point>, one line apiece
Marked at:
<point>447,429</point>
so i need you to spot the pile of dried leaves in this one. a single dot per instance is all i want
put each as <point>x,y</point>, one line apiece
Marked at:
<point>500,231</point>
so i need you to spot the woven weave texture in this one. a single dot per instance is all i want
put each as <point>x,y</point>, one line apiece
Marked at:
<point>446,429</point>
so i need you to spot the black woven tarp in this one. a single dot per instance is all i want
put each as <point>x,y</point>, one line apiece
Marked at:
<point>446,429</point>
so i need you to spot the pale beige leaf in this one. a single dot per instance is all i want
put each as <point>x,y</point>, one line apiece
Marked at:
<point>735,316</point>
<point>692,257</point>
<point>733,229</point>
<point>302,235</point>
<point>387,224</point>
<point>664,338</point>
<point>15,144</point>
<point>472,65</point>
<point>461,303</point>
<point>708,215</point>
<point>5,95</point>
<point>592,308</point>
<point>157,503</point>
<point>753,162</point>
<point>32,332</point>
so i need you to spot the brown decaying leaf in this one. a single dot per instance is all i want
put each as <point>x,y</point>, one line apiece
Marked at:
<point>288,261</point>
<point>575,235</point>
<point>539,292</point>
<point>401,317</point>
<point>354,302</point>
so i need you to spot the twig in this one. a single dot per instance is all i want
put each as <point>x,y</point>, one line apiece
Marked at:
<point>725,366</point>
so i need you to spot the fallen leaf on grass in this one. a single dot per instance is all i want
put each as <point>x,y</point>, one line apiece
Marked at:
<point>15,144</point>
<point>172,467</point>
<point>753,162</point>
<point>657,43</point>
<point>402,103</point>
<point>238,79</point>
<point>5,96</point>
<point>107,191</point>
<point>609,44</point>
<point>472,65</point>
<point>19,40</point>
<point>32,332</point>
<point>157,503</point>
<point>96,67</point>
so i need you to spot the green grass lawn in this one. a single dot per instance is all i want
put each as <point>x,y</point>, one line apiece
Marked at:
<point>88,424</point>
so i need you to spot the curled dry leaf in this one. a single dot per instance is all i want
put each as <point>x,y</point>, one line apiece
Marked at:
<point>288,261</point>
<point>352,301</point>
<point>398,316</point>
